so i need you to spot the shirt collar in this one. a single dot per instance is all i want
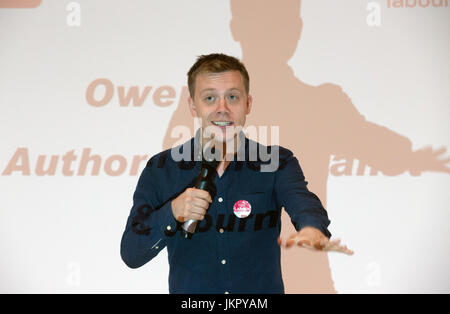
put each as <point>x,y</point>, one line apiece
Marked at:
<point>242,151</point>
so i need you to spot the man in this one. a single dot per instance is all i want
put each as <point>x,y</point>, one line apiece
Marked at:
<point>236,246</point>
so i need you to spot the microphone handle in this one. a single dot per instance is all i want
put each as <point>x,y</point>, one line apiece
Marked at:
<point>188,228</point>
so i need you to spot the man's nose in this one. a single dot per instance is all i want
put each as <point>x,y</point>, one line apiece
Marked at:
<point>222,105</point>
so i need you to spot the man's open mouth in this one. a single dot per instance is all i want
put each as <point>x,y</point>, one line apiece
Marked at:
<point>222,123</point>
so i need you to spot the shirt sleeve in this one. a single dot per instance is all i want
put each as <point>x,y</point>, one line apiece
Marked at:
<point>146,229</point>
<point>303,206</point>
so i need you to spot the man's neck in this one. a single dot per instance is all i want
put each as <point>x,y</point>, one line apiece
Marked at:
<point>227,149</point>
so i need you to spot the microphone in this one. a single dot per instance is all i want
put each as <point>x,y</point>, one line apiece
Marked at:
<point>205,181</point>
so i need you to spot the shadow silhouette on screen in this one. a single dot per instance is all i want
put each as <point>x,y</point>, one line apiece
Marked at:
<point>316,123</point>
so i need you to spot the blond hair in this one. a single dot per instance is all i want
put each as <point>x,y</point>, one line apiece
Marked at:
<point>216,63</point>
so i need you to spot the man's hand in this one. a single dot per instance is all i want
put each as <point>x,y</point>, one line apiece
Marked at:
<point>312,238</point>
<point>191,204</point>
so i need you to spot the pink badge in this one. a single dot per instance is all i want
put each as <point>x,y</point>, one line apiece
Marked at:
<point>242,209</point>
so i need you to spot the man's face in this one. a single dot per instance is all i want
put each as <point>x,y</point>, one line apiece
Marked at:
<point>221,102</point>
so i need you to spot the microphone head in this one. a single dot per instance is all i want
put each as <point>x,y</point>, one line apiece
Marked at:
<point>208,172</point>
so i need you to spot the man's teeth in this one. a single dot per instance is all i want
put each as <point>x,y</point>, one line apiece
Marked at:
<point>222,123</point>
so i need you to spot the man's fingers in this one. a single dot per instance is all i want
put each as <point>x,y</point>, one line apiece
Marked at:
<point>200,203</point>
<point>201,194</point>
<point>198,210</point>
<point>291,241</point>
<point>194,216</point>
<point>197,213</point>
<point>198,217</point>
<point>334,246</point>
<point>324,245</point>
<point>288,243</point>
<point>303,242</point>
<point>294,240</point>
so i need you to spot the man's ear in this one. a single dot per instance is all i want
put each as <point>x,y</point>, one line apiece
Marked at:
<point>249,104</point>
<point>192,107</point>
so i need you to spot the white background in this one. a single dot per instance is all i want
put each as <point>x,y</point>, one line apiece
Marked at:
<point>62,233</point>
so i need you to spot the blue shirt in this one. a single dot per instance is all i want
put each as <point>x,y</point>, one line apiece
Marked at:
<point>226,254</point>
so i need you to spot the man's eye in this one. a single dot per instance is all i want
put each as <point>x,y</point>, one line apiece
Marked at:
<point>209,98</point>
<point>233,97</point>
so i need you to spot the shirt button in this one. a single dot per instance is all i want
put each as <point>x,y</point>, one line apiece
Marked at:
<point>221,230</point>
<point>220,200</point>
<point>224,262</point>
<point>169,228</point>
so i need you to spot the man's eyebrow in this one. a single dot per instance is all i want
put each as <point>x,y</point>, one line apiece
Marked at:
<point>207,90</point>
<point>213,89</point>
